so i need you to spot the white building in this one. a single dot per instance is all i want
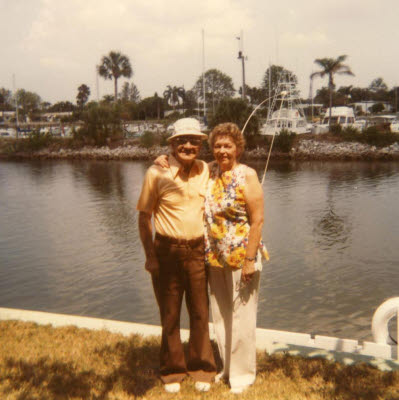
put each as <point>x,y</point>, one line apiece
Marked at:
<point>365,106</point>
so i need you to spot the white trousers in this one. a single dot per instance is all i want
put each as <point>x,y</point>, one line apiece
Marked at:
<point>234,307</point>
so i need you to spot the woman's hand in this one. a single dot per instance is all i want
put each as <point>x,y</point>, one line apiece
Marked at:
<point>162,161</point>
<point>248,270</point>
<point>254,199</point>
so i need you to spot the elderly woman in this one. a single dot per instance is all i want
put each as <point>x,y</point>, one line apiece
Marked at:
<point>233,253</point>
<point>233,226</point>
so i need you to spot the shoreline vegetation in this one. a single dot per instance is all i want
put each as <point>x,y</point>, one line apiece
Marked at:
<point>43,362</point>
<point>307,147</point>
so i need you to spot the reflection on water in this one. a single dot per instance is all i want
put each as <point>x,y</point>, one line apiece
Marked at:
<point>331,230</point>
<point>69,242</point>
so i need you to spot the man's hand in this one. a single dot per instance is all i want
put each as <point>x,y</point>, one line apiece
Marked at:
<point>145,229</point>
<point>248,271</point>
<point>162,161</point>
<point>152,265</point>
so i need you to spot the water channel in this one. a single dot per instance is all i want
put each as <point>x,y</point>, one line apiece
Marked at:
<point>69,243</point>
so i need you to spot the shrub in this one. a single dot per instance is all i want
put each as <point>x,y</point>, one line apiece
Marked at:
<point>174,116</point>
<point>37,140</point>
<point>284,141</point>
<point>34,142</point>
<point>373,137</point>
<point>336,129</point>
<point>377,107</point>
<point>101,122</point>
<point>163,139</point>
<point>148,139</point>
<point>257,140</point>
<point>351,134</point>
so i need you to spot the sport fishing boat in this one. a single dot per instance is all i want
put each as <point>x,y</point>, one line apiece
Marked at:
<point>286,112</point>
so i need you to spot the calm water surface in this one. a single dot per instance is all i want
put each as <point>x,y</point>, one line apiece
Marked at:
<point>69,243</point>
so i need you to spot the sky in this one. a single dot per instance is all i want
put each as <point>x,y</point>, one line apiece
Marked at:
<point>51,47</point>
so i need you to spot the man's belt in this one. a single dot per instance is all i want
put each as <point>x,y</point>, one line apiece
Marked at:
<point>179,242</point>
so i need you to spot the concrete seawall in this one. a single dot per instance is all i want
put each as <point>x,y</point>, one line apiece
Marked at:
<point>348,351</point>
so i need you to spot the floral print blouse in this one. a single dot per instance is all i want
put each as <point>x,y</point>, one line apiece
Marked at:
<point>226,219</point>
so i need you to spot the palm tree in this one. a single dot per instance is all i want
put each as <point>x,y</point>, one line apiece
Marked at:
<point>331,66</point>
<point>114,66</point>
<point>83,95</point>
<point>173,94</point>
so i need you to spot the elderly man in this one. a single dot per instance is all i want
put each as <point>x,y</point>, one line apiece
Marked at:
<point>175,259</point>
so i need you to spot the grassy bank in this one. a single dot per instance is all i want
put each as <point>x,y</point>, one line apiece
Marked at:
<point>41,362</point>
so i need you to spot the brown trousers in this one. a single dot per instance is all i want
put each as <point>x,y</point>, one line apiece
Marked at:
<point>182,270</point>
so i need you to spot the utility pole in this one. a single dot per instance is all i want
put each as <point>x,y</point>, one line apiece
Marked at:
<point>243,58</point>
<point>203,74</point>
<point>311,93</point>
<point>213,97</point>
<point>97,89</point>
<point>16,106</point>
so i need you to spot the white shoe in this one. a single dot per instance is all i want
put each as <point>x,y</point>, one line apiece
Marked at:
<point>238,389</point>
<point>202,386</point>
<point>220,376</point>
<point>172,387</point>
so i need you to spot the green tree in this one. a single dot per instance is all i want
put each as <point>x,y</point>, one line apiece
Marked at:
<point>377,85</point>
<point>237,111</point>
<point>62,106</point>
<point>107,99</point>
<point>330,67</point>
<point>340,97</point>
<point>379,90</point>
<point>158,102</point>
<point>44,106</point>
<point>28,102</point>
<point>218,86</point>
<point>114,66</point>
<point>130,92</point>
<point>151,108</point>
<point>83,95</point>
<point>256,95</point>
<point>5,100</point>
<point>360,94</point>
<point>190,101</point>
<point>173,94</point>
<point>377,107</point>
<point>101,122</point>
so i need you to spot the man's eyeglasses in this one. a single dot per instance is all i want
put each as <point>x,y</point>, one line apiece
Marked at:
<point>194,141</point>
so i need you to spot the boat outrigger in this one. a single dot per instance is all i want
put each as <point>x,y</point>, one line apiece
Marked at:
<point>285,112</point>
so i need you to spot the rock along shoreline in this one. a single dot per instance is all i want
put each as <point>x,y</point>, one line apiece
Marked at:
<point>307,149</point>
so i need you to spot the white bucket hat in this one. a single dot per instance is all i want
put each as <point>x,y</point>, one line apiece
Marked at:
<point>187,127</point>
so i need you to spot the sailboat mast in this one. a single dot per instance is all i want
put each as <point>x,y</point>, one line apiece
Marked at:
<point>16,105</point>
<point>242,57</point>
<point>203,73</point>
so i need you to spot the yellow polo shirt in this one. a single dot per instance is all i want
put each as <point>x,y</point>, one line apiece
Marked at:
<point>175,199</point>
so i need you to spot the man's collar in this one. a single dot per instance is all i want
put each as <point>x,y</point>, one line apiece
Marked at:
<point>176,166</point>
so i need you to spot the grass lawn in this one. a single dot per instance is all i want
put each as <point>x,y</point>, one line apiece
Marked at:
<point>41,362</point>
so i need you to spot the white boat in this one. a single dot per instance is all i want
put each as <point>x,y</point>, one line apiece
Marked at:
<point>286,112</point>
<point>8,132</point>
<point>381,120</point>
<point>394,126</point>
<point>343,116</point>
<point>286,119</point>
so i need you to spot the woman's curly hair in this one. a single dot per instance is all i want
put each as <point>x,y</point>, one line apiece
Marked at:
<point>231,130</point>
